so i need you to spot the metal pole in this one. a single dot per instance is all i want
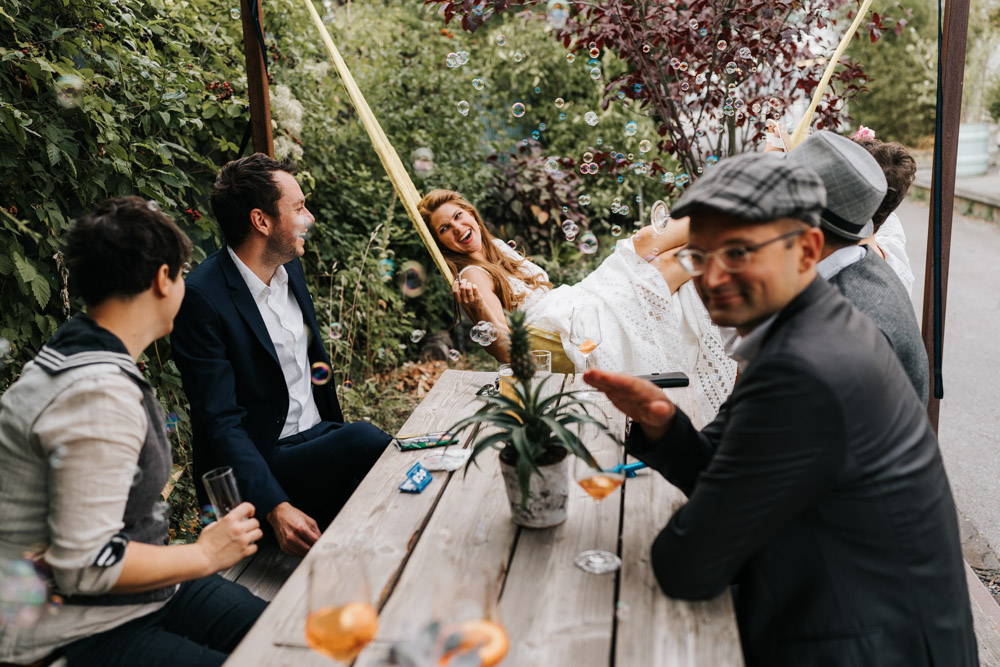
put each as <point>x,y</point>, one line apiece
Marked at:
<point>955,34</point>
<point>257,89</point>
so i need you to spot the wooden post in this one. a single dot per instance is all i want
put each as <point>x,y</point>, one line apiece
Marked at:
<point>260,101</point>
<point>955,34</point>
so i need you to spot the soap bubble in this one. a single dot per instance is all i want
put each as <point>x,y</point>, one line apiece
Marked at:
<point>570,57</point>
<point>170,424</point>
<point>616,230</point>
<point>451,60</point>
<point>22,594</point>
<point>501,40</point>
<point>337,329</point>
<point>668,177</point>
<point>517,109</point>
<point>463,107</point>
<point>569,229</point>
<point>700,78</point>
<point>541,126</point>
<point>557,13</point>
<point>645,146</point>
<point>68,90</point>
<point>595,73</point>
<point>591,118</point>
<point>560,103</point>
<point>595,52</point>
<point>454,355</point>
<point>730,67</point>
<point>484,333</point>
<point>57,456</point>
<point>551,165</point>
<point>693,24</point>
<point>683,66</point>
<point>703,32</point>
<point>675,62</point>
<point>478,84</point>
<point>411,279</point>
<point>417,335</point>
<point>207,514</point>
<point>512,244</point>
<point>685,85</point>
<point>712,160</point>
<point>518,56</point>
<point>631,128</point>
<point>386,267</point>
<point>423,161</point>
<point>235,13</point>
<point>728,110</point>
<point>584,200</point>
<point>463,57</point>
<point>536,135</point>
<point>321,373</point>
<point>744,53</point>
<point>348,385</point>
<point>161,510</point>
<point>588,157</point>
<point>588,243</point>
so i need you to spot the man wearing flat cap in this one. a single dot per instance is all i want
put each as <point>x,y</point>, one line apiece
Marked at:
<point>819,487</point>
<point>855,186</point>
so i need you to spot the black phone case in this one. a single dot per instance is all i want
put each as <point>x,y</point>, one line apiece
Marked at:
<point>674,379</point>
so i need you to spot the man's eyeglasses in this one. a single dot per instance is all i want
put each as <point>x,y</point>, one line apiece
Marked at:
<point>732,259</point>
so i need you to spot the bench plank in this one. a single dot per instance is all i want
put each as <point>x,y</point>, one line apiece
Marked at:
<point>376,514</point>
<point>689,634</point>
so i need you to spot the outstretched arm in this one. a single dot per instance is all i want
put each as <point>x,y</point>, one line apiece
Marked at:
<point>476,293</point>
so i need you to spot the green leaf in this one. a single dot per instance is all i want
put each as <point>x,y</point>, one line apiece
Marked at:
<point>55,156</point>
<point>41,290</point>
<point>25,270</point>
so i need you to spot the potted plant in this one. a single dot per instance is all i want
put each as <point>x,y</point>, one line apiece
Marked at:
<point>535,433</point>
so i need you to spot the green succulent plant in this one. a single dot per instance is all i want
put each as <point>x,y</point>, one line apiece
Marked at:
<point>535,428</point>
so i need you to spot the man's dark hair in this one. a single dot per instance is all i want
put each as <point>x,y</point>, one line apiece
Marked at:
<point>899,167</point>
<point>242,186</point>
<point>835,241</point>
<point>117,250</point>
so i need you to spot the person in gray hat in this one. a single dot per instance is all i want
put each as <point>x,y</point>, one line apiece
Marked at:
<point>819,488</point>
<point>855,187</point>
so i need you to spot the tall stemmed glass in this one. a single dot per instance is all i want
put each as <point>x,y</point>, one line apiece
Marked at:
<point>342,619</point>
<point>599,483</point>
<point>585,334</point>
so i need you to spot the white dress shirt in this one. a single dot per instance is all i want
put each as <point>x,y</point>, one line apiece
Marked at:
<point>839,260</point>
<point>892,240</point>
<point>283,319</point>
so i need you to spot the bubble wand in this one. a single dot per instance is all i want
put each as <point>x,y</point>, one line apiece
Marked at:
<point>800,129</point>
<point>387,154</point>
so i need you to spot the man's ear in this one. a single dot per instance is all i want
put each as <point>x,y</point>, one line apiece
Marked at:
<point>162,282</point>
<point>261,222</point>
<point>811,243</point>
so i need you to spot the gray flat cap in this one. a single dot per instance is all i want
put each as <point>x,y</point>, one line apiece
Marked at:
<point>855,183</point>
<point>758,187</point>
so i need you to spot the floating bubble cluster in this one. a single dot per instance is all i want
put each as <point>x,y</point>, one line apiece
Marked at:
<point>321,373</point>
<point>453,60</point>
<point>484,333</point>
<point>584,200</point>
<point>569,229</point>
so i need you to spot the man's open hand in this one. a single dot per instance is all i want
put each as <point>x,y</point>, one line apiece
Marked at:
<point>639,399</point>
<point>296,531</point>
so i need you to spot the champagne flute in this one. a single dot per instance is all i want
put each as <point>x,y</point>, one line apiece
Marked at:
<point>585,334</point>
<point>342,619</point>
<point>223,493</point>
<point>599,483</point>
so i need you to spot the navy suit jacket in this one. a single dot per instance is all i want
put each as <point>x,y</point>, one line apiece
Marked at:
<point>820,490</point>
<point>232,377</point>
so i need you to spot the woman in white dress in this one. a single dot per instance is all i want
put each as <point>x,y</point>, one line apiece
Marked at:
<point>652,320</point>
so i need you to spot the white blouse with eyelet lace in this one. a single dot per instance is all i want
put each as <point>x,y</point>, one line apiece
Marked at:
<point>644,328</point>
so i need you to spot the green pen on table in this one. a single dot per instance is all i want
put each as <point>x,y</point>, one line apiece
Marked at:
<point>424,441</point>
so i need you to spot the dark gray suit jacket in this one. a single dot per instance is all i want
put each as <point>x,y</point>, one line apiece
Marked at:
<point>874,289</point>
<point>820,490</point>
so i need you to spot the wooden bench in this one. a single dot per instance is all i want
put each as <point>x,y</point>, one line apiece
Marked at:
<point>264,572</point>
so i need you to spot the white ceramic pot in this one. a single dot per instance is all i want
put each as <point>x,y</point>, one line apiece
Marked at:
<point>548,494</point>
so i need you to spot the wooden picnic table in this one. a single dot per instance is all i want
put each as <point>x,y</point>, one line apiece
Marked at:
<point>458,532</point>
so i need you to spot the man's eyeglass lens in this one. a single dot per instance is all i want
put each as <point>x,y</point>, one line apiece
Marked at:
<point>732,260</point>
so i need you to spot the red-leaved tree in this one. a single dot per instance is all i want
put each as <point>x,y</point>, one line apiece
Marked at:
<point>709,72</point>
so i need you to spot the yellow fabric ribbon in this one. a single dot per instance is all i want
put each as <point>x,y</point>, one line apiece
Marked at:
<point>800,130</point>
<point>387,154</point>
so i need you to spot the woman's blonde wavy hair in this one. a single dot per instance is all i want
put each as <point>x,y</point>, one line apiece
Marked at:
<point>498,264</point>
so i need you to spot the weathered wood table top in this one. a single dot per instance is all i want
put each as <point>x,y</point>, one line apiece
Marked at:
<point>458,531</point>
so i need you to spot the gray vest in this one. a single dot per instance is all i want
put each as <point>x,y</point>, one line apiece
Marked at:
<point>873,288</point>
<point>42,381</point>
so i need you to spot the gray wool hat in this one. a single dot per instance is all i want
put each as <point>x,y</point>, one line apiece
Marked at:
<point>855,183</point>
<point>759,187</point>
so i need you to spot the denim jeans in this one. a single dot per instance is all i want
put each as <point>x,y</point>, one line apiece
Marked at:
<point>200,625</point>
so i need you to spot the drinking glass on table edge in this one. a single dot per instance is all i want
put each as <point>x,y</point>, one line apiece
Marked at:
<point>223,493</point>
<point>507,381</point>
<point>542,361</point>
<point>341,619</point>
<point>585,334</point>
<point>469,619</point>
<point>599,483</point>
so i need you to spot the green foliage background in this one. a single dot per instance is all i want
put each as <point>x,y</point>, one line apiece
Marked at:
<point>107,97</point>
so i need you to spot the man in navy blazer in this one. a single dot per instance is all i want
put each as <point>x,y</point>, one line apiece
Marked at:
<point>819,488</point>
<point>253,364</point>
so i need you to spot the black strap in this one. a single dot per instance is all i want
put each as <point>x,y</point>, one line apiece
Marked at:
<point>936,231</point>
<point>246,139</point>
